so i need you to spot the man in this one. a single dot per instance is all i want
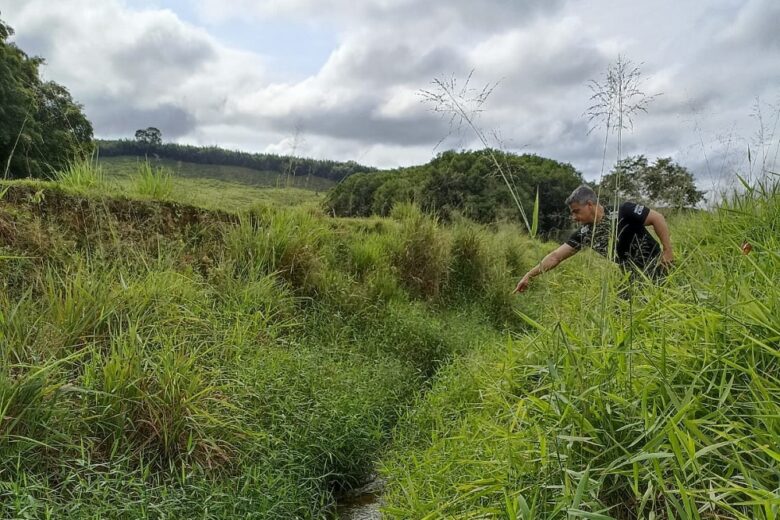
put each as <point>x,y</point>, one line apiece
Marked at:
<point>634,248</point>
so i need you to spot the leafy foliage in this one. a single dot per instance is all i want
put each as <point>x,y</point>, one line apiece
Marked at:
<point>150,136</point>
<point>663,183</point>
<point>463,183</point>
<point>43,128</point>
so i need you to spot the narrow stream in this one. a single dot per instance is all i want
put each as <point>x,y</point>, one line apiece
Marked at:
<point>362,503</point>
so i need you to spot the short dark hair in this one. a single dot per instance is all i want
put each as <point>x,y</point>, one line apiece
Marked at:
<point>582,195</point>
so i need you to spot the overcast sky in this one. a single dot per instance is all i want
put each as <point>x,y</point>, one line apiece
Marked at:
<point>339,79</point>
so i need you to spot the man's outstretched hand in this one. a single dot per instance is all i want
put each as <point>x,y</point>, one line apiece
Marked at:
<point>522,285</point>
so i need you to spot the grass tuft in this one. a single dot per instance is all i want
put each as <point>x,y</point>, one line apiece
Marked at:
<point>82,174</point>
<point>155,183</point>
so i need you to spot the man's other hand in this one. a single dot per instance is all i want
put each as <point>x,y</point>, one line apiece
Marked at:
<point>667,258</point>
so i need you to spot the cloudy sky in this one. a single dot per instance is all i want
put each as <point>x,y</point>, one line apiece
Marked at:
<point>340,79</point>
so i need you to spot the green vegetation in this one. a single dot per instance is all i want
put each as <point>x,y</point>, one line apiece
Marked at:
<point>467,184</point>
<point>661,184</point>
<point>148,144</point>
<point>82,174</point>
<point>156,183</point>
<point>42,128</point>
<point>127,166</point>
<point>187,183</point>
<point>164,361</point>
<point>663,406</point>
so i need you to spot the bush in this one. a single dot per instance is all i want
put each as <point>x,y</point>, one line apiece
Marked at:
<point>421,258</point>
<point>470,262</point>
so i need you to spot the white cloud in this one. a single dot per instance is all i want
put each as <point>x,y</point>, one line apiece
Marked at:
<point>149,64</point>
<point>709,60</point>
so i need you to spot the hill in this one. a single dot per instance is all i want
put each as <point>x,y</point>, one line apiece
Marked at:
<point>126,166</point>
<point>229,188</point>
<point>213,155</point>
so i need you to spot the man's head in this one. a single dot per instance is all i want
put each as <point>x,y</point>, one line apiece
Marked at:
<point>583,203</point>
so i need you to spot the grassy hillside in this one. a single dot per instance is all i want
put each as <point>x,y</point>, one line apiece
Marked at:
<point>124,166</point>
<point>200,185</point>
<point>164,361</point>
<point>663,406</point>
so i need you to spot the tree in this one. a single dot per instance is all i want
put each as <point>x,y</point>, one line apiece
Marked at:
<point>669,184</point>
<point>42,128</point>
<point>150,136</point>
<point>663,183</point>
<point>627,176</point>
<point>5,31</point>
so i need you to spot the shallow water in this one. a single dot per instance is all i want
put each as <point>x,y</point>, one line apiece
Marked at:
<point>362,503</point>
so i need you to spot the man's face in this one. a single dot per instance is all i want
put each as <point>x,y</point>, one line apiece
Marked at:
<point>583,213</point>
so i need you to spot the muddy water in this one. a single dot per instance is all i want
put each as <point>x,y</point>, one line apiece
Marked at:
<point>362,503</point>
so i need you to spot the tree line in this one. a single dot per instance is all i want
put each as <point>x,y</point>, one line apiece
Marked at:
<point>466,183</point>
<point>149,142</point>
<point>42,128</point>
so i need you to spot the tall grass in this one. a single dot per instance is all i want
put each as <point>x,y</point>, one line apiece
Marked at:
<point>664,406</point>
<point>82,173</point>
<point>230,369</point>
<point>422,255</point>
<point>156,183</point>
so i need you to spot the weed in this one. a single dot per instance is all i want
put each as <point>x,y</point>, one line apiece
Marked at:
<point>156,183</point>
<point>82,174</point>
<point>422,255</point>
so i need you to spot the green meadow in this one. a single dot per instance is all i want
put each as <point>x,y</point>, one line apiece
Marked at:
<point>181,347</point>
<point>126,166</point>
<point>210,186</point>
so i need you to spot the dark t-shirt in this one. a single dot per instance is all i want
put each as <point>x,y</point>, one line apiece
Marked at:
<point>634,244</point>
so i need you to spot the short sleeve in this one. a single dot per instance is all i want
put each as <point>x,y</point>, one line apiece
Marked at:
<point>634,213</point>
<point>576,239</point>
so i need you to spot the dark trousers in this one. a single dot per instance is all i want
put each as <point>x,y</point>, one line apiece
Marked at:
<point>653,271</point>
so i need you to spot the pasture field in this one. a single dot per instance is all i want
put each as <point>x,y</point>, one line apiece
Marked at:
<point>215,187</point>
<point>125,166</point>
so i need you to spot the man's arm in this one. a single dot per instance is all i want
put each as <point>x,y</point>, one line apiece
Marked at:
<point>548,262</point>
<point>661,229</point>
